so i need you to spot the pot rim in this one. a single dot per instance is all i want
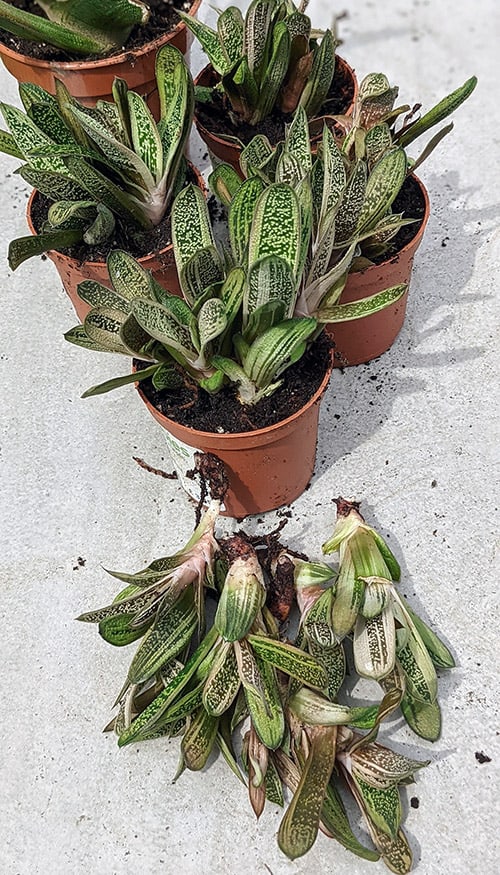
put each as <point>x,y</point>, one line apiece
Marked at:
<point>231,141</point>
<point>153,254</point>
<point>123,57</point>
<point>227,437</point>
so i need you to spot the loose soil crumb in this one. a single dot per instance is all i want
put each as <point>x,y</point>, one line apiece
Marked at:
<point>223,413</point>
<point>481,757</point>
<point>162,20</point>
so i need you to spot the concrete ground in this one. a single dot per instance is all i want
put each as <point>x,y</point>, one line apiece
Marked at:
<point>411,436</point>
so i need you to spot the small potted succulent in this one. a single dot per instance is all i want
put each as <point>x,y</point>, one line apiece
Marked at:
<point>386,259</point>
<point>240,675</point>
<point>102,176</point>
<point>262,66</point>
<point>374,209</point>
<point>87,43</point>
<point>238,366</point>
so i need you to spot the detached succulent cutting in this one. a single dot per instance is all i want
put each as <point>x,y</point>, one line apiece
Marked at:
<point>271,58</point>
<point>100,165</point>
<point>283,697</point>
<point>86,27</point>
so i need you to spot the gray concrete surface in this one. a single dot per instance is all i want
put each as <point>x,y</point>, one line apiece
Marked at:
<point>412,436</point>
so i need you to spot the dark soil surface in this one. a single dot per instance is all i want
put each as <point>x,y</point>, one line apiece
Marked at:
<point>163,19</point>
<point>411,203</point>
<point>223,413</point>
<point>214,116</point>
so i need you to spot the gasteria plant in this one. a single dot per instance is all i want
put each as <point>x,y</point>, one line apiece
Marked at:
<point>247,315</point>
<point>271,58</point>
<point>86,27</point>
<point>100,165</point>
<point>391,644</point>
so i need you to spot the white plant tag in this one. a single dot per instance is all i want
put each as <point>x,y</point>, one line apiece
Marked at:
<point>182,456</point>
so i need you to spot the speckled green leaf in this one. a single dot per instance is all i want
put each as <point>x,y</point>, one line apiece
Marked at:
<point>320,79</point>
<point>383,185</point>
<point>318,620</point>
<point>224,182</point>
<point>348,599</point>
<point>199,739</point>
<point>361,308</point>
<point>335,822</point>
<point>223,681</point>
<point>381,767</point>
<point>257,34</point>
<point>289,659</point>
<point>274,73</point>
<point>158,323</point>
<point>211,322</point>
<point>266,710</point>
<point>439,112</point>
<point>168,637</point>
<point>299,827</point>
<point>255,155</point>
<point>438,651</point>
<point>203,270</point>
<point>230,29</point>
<point>347,218</point>
<point>209,41</point>
<point>241,599</point>
<point>269,279</point>
<point>241,214</point>
<point>191,229</point>
<point>383,807</point>
<point>423,718</point>
<point>26,247</point>
<point>334,664</point>
<point>145,137</point>
<point>312,708</point>
<point>275,350</point>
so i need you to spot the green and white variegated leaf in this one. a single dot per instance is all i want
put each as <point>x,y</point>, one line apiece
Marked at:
<point>266,710</point>
<point>248,669</point>
<point>289,659</point>
<point>129,279</point>
<point>101,228</point>
<point>269,279</point>
<point>274,789</point>
<point>71,213</point>
<point>159,323</point>
<point>377,594</point>
<point>79,337</point>
<point>117,382</point>
<point>102,189</point>
<point>223,681</point>
<point>381,767</point>
<point>316,710</point>
<point>257,35</point>
<point>176,119</point>
<point>135,338</point>
<point>203,270</point>
<point>255,155</point>
<point>145,137</point>
<point>48,119</point>
<point>288,169</point>
<point>312,574</point>
<point>377,141</point>
<point>364,307</point>
<point>320,80</point>
<point>241,89</point>
<point>374,644</point>
<point>8,145</point>
<point>169,636</point>
<point>437,650</point>
<point>231,293</point>
<point>154,713</point>
<point>348,599</point>
<point>224,182</point>
<point>242,597</point>
<point>117,155</point>
<point>199,739</point>
<point>396,852</point>
<point>29,138</point>
<point>191,229</point>
<point>335,823</point>
<point>318,620</point>
<point>381,807</point>
<point>52,185</point>
<point>439,112</point>
<point>297,141</point>
<point>368,561</point>
<point>241,215</point>
<point>423,717</point>
<point>230,30</point>
<point>167,377</point>
<point>299,827</point>
<point>276,226</point>
<point>384,183</point>
<point>274,73</point>
<point>305,198</point>
<point>103,326</point>
<point>334,179</point>
<point>347,219</point>
<point>97,295</point>
<point>247,393</point>
<point>212,322</point>
<point>209,41</point>
<point>33,95</point>
<point>414,659</point>
<point>334,663</point>
<point>110,117</point>
<point>278,348</point>
<point>387,554</point>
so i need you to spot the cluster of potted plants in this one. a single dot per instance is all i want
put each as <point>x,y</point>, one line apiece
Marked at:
<point>231,348</point>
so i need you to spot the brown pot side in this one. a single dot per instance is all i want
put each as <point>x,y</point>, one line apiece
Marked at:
<point>362,340</point>
<point>225,150</point>
<point>90,81</point>
<point>266,468</point>
<point>72,272</point>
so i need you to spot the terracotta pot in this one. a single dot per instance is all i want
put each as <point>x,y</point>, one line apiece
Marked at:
<point>90,81</point>
<point>362,340</point>
<point>267,468</point>
<point>72,272</point>
<point>229,152</point>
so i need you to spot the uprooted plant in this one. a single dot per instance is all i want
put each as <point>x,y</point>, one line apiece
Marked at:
<point>204,684</point>
<point>247,314</point>
<point>86,27</point>
<point>100,165</point>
